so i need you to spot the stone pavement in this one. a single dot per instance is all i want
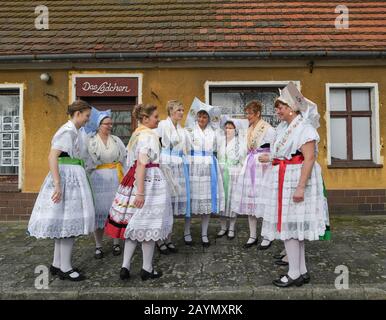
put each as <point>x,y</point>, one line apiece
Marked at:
<point>223,271</point>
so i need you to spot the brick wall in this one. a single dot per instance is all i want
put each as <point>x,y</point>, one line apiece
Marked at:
<point>370,201</point>
<point>17,206</point>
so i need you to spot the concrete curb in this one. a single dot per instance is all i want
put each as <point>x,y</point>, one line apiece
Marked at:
<point>309,292</point>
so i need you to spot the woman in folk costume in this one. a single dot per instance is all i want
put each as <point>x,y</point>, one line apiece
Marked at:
<point>232,150</point>
<point>64,208</point>
<point>296,206</point>
<point>142,209</point>
<point>247,197</point>
<point>175,145</point>
<point>206,185</point>
<point>108,158</point>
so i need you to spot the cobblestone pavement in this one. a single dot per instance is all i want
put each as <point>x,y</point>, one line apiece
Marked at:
<point>223,271</point>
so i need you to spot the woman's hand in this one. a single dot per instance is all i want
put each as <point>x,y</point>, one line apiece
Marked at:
<point>299,194</point>
<point>57,195</point>
<point>139,201</point>
<point>264,158</point>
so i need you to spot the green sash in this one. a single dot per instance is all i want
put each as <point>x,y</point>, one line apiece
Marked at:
<point>76,162</point>
<point>226,176</point>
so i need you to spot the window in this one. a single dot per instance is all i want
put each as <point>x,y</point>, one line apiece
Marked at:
<point>352,126</point>
<point>234,96</point>
<point>9,132</point>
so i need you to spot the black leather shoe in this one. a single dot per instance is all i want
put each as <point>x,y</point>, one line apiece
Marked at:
<point>188,243</point>
<point>98,253</point>
<point>248,245</point>
<point>281,263</point>
<point>54,270</point>
<point>260,247</point>
<point>221,233</point>
<point>145,275</point>
<point>171,247</point>
<point>204,243</point>
<point>67,275</point>
<point>279,256</point>
<point>117,250</point>
<point>124,274</point>
<point>163,249</point>
<point>306,278</point>
<point>291,282</point>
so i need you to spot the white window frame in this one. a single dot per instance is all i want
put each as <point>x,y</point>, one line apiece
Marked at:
<point>75,76</point>
<point>20,87</point>
<point>375,133</point>
<point>267,84</point>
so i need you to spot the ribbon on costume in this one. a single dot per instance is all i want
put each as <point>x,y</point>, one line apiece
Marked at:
<point>227,163</point>
<point>113,165</point>
<point>77,162</point>
<point>251,163</point>
<point>186,174</point>
<point>298,159</point>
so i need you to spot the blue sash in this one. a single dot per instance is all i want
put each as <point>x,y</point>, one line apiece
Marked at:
<point>186,174</point>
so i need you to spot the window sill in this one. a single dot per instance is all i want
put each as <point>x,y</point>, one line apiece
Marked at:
<point>354,164</point>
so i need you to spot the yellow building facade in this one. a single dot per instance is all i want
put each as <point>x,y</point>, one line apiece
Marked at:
<point>43,109</point>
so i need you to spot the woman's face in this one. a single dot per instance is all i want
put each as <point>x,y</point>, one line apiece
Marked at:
<point>106,126</point>
<point>177,114</point>
<point>81,117</point>
<point>252,116</point>
<point>152,121</point>
<point>229,130</point>
<point>283,112</point>
<point>202,119</point>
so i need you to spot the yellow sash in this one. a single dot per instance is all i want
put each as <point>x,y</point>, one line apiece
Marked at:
<point>113,165</point>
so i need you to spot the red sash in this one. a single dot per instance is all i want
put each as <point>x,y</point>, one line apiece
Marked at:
<point>128,180</point>
<point>282,167</point>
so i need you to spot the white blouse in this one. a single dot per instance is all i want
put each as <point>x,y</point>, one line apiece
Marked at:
<point>172,137</point>
<point>113,151</point>
<point>290,138</point>
<point>67,139</point>
<point>235,150</point>
<point>204,140</point>
<point>146,149</point>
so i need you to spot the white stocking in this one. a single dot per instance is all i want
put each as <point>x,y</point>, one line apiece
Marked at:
<point>232,223</point>
<point>293,252</point>
<point>66,246</point>
<point>148,252</point>
<point>128,252</point>
<point>204,227</point>
<point>303,268</point>
<point>56,262</point>
<point>116,241</point>
<point>187,234</point>
<point>252,229</point>
<point>98,235</point>
<point>223,223</point>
